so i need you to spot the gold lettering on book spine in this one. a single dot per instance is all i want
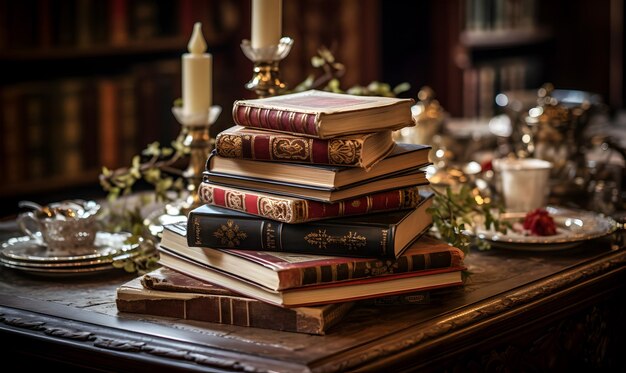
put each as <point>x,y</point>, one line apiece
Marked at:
<point>276,209</point>
<point>352,241</point>
<point>383,242</point>
<point>229,234</point>
<point>294,149</point>
<point>229,146</point>
<point>344,151</point>
<point>270,237</point>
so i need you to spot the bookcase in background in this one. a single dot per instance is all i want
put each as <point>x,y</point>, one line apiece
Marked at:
<point>121,58</point>
<point>469,50</point>
<point>90,83</point>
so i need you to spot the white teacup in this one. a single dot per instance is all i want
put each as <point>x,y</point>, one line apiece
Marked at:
<point>524,183</point>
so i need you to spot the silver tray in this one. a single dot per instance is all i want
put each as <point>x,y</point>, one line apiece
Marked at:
<point>573,228</point>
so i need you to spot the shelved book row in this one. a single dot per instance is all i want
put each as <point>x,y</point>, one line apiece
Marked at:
<point>308,202</point>
<point>45,24</point>
<point>68,127</point>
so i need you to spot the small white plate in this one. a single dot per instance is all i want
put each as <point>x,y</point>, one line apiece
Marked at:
<point>573,228</point>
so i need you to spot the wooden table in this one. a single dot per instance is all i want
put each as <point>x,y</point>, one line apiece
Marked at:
<point>521,311</point>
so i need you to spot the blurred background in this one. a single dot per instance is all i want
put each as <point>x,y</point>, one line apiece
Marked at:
<point>88,83</point>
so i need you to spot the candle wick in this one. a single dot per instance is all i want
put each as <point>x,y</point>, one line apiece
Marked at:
<point>197,44</point>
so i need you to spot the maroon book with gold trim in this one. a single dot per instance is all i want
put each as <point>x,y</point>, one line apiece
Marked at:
<point>363,150</point>
<point>323,114</point>
<point>300,210</point>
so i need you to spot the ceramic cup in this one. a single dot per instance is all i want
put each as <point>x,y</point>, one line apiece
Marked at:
<point>524,183</point>
<point>66,226</point>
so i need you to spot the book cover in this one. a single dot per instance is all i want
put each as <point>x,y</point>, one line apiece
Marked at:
<point>380,235</point>
<point>300,210</point>
<point>354,150</point>
<point>324,114</point>
<point>283,270</point>
<point>341,291</point>
<point>403,158</point>
<point>168,293</point>
<point>409,178</point>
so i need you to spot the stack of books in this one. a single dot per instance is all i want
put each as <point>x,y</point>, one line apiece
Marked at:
<point>309,204</point>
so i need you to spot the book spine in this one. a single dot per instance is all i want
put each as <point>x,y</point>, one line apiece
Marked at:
<point>266,147</point>
<point>318,238</point>
<point>275,119</point>
<point>236,311</point>
<point>289,210</point>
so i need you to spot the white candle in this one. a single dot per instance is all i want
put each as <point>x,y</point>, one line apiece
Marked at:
<point>266,22</point>
<point>197,75</point>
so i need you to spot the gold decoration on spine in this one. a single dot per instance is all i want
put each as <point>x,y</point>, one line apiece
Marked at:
<point>344,151</point>
<point>293,149</point>
<point>235,200</point>
<point>229,234</point>
<point>321,239</point>
<point>229,146</point>
<point>276,209</point>
<point>206,194</point>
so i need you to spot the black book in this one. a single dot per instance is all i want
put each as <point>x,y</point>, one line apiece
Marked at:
<point>383,235</point>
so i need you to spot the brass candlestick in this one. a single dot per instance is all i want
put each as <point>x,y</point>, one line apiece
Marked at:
<point>198,140</point>
<point>266,73</point>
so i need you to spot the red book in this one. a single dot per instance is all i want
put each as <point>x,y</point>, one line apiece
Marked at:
<point>300,210</point>
<point>324,114</point>
<point>354,150</point>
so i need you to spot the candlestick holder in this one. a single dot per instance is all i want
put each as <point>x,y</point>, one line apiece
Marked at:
<point>266,73</point>
<point>198,140</point>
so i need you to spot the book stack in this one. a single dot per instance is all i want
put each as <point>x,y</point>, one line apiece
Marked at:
<point>309,202</point>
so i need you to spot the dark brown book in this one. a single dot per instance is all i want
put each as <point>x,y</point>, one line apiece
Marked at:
<point>168,293</point>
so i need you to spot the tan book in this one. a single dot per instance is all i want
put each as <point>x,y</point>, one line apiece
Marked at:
<point>168,293</point>
<point>402,159</point>
<point>323,114</point>
<point>361,150</point>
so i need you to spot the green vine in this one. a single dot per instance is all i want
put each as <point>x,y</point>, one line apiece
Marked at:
<point>456,214</point>
<point>157,169</point>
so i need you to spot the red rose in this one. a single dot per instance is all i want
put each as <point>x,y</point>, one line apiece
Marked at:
<point>540,223</point>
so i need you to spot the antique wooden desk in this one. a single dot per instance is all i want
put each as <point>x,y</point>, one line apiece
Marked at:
<point>519,311</point>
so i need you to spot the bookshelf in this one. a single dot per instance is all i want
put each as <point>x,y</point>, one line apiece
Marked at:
<point>92,84</point>
<point>467,53</point>
<point>98,78</point>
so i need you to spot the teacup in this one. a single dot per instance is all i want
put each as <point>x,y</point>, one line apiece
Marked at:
<point>524,183</point>
<point>65,226</point>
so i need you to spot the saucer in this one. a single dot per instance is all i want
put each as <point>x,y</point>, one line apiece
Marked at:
<point>573,227</point>
<point>26,253</point>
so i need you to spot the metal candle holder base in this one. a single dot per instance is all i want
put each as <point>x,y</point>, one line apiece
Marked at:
<point>266,73</point>
<point>199,142</point>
